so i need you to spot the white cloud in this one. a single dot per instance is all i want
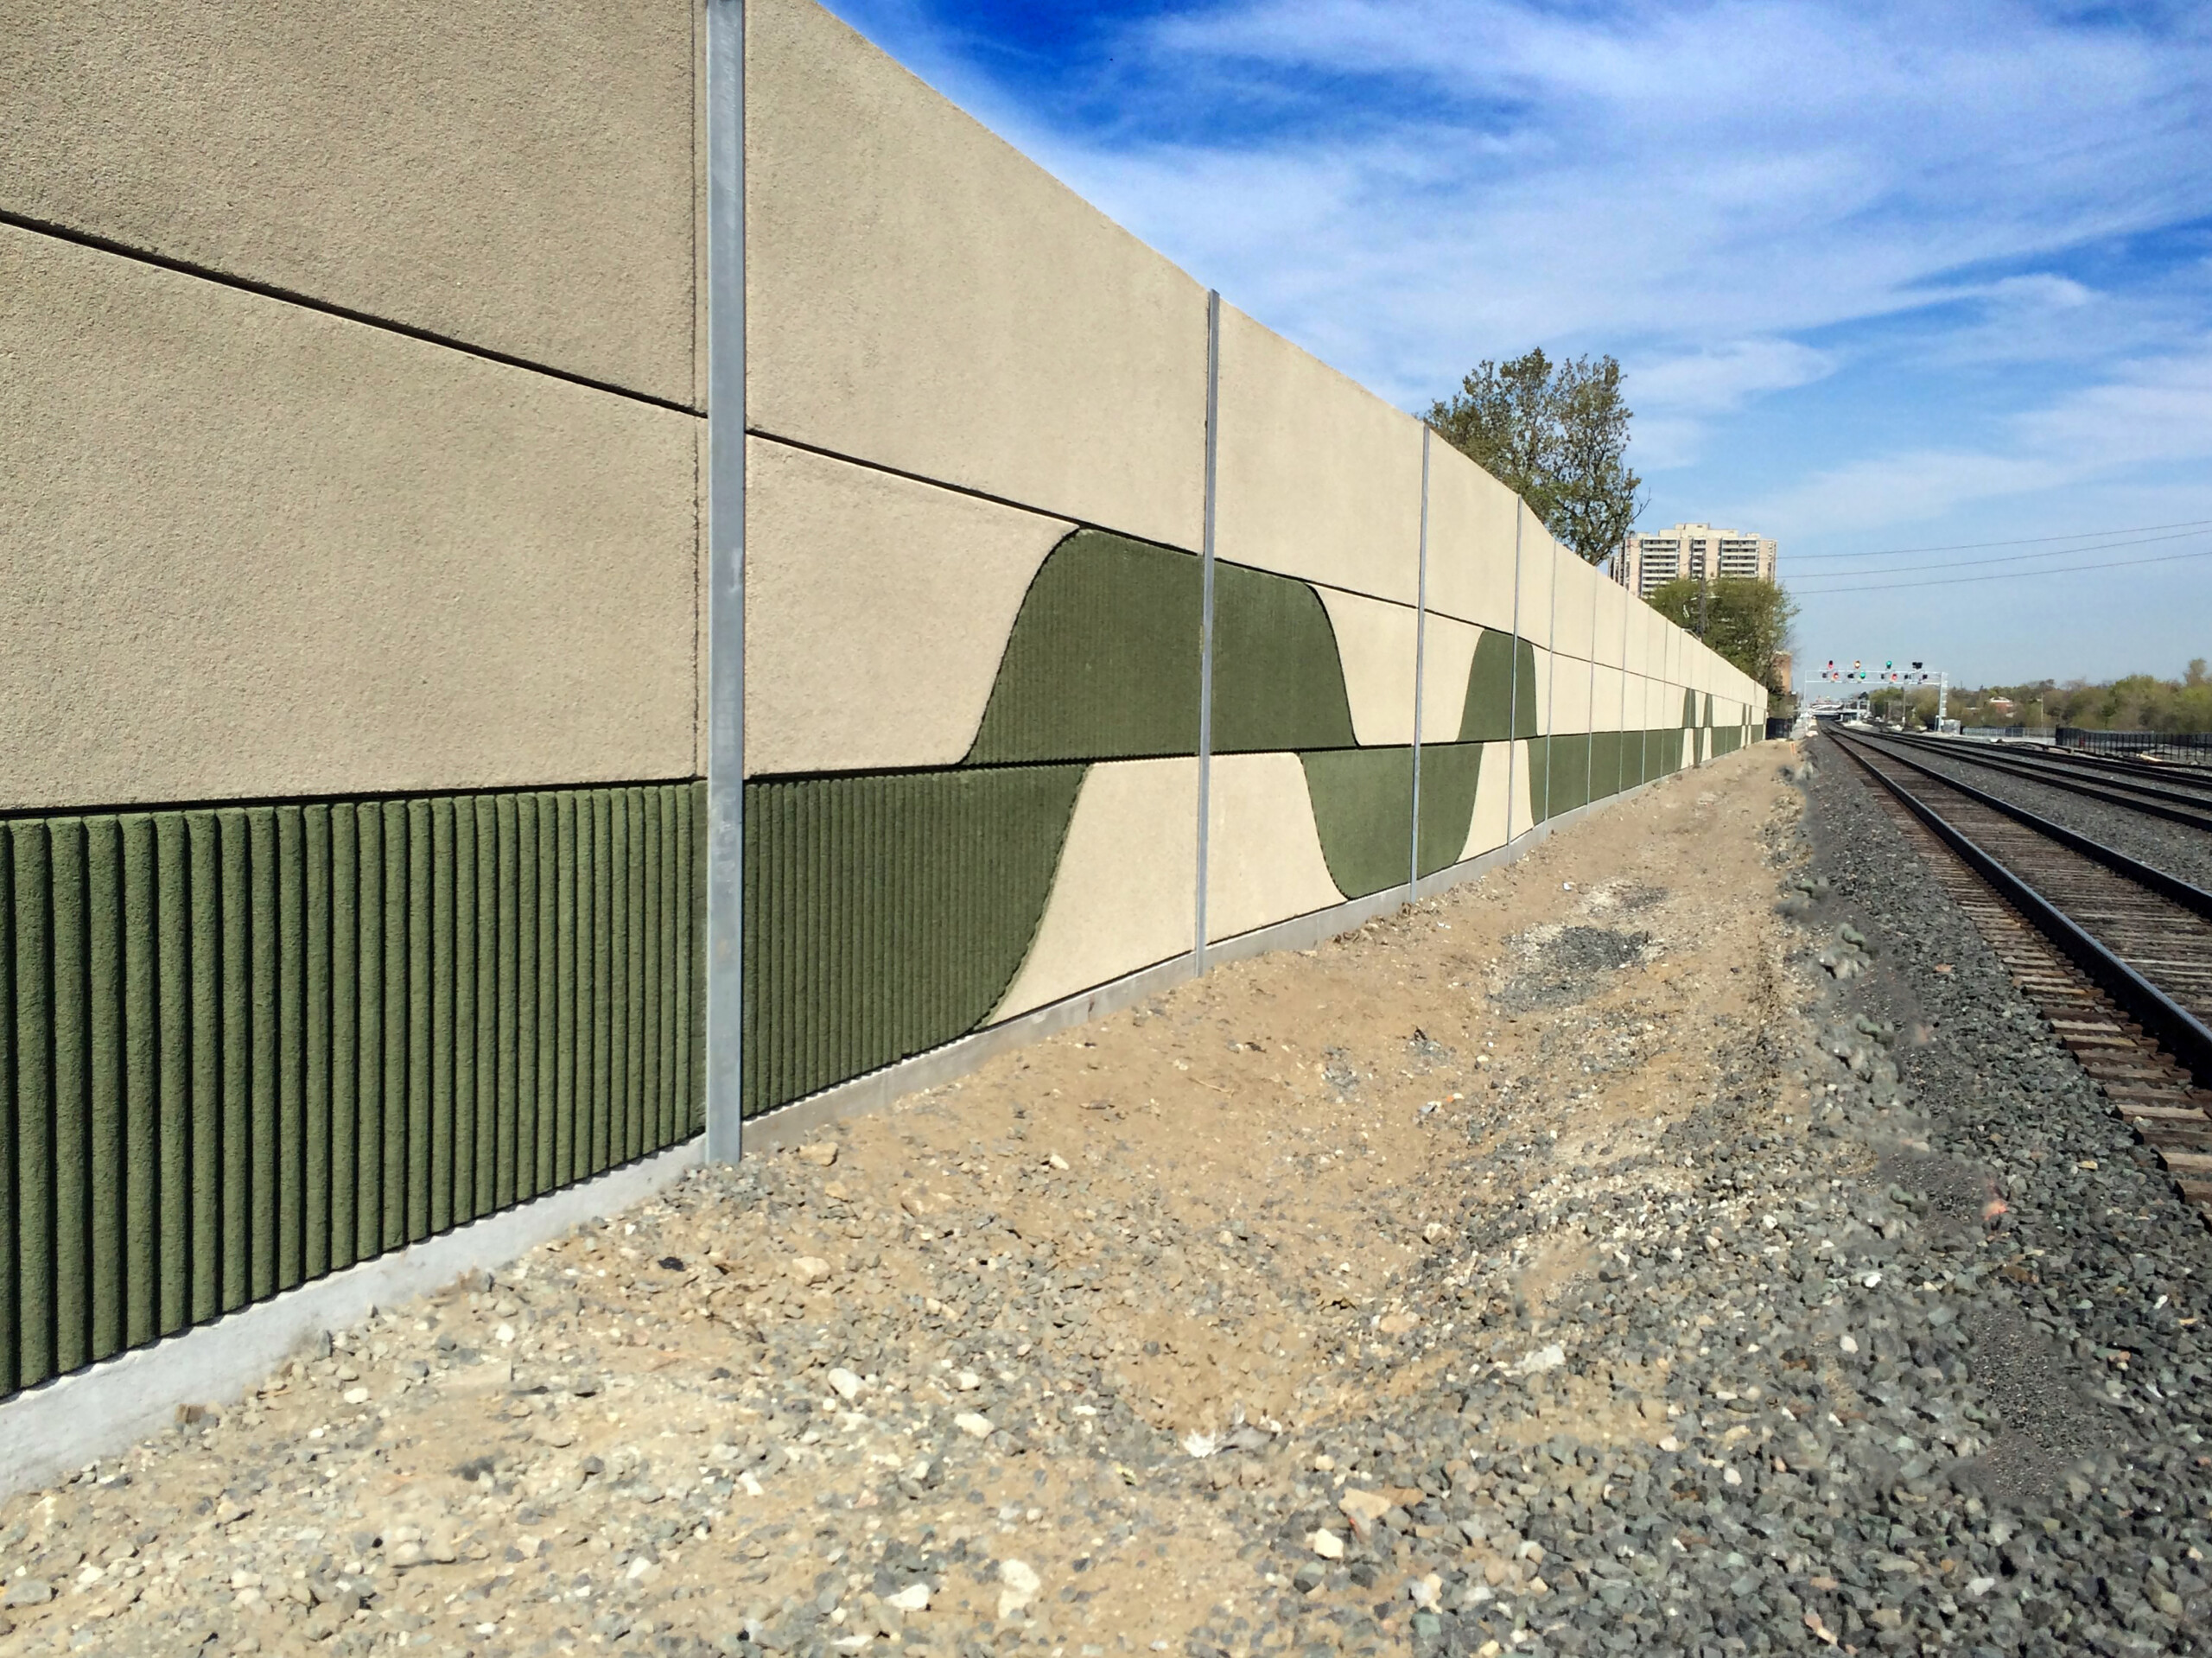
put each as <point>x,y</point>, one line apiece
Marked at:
<point>1651,180</point>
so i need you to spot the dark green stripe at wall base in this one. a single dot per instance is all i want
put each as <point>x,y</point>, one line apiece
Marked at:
<point>240,1048</point>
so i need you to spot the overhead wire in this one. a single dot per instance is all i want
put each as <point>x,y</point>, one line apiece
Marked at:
<point>2024,540</point>
<point>2002,558</point>
<point>2011,576</point>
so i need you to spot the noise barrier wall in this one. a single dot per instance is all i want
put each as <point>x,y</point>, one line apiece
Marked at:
<point>353,651</point>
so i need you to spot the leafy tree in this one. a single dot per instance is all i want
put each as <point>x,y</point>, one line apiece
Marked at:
<point>1556,434</point>
<point>2132,702</point>
<point>1746,621</point>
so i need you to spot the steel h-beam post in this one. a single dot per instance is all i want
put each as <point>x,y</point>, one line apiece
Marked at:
<point>726,579</point>
<point>1420,653</point>
<point>1205,621</point>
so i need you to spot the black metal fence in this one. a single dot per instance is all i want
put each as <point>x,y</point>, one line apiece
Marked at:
<point>2189,747</point>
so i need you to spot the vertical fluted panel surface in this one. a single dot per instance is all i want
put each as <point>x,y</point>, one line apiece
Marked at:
<point>243,1046</point>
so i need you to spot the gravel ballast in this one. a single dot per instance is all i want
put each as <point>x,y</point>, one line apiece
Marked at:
<point>1685,1241</point>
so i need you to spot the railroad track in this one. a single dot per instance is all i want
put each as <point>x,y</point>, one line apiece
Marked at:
<point>2156,800</point>
<point>2117,956</point>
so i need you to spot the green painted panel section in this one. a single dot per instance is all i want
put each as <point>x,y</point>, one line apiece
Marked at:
<point>1568,769</point>
<point>1690,708</point>
<point>1449,773</point>
<point>1363,808</point>
<point>1278,682</point>
<point>1604,764</point>
<point>1495,709</point>
<point>1102,659</point>
<point>241,1048</point>
<point>1537,753</point>
<point>885,915</point>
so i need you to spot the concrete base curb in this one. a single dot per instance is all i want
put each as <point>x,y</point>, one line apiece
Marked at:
<point>66,1423</point>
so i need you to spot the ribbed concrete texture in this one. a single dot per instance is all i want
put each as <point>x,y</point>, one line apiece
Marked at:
<point>520,181</point>
<point>241,1048</point>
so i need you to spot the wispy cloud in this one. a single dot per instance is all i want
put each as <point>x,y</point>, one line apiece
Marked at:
<point>2146,417</point>
<point>1868,263</point>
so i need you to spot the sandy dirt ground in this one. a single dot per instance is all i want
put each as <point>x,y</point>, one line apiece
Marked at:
<point>1067,1357</point>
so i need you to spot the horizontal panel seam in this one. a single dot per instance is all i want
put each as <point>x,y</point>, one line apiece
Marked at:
<point>342,798</point>
<point>330,307</point>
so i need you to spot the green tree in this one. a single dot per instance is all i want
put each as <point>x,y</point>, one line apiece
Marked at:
<point>1556,434</point>
<point>1746,621</point>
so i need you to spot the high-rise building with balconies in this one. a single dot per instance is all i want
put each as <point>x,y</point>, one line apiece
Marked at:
<point>1649,560</point>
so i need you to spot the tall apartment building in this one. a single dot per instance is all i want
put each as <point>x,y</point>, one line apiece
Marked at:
<point>1649,562</point>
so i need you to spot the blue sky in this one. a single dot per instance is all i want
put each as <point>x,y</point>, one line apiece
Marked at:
<point>1882,276</point>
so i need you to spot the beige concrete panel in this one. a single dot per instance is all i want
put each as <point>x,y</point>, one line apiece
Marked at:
<point>1545,667</point>
<point>521,179</point>
<point>1608,693</point>
<point>1317,476</point>
<point>1447,659</point>
<point>876,612</point>
<point>1470,540</point>
<point>1539,564</point>
<point>1375,643</point>
<point>1521,799</point>
<point>248,548</point>
<point>1570,701</point>
<point>1503,773</point>
<point>1125,891</point>
<point>1575,620</point>
<point>1610,644</point>
<point>1263,853</point>
<point>924,296</point>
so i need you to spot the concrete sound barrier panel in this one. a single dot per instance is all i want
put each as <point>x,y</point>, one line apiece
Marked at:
<point>1317,476</point>
<point>522,181</point>
<point>1538,567</point>
<point>257,550</point>
<point>1611,644</point>
<point>1447,658</point>
<point>1470,541</point>
<point>1490,827</point>
<point>877,611</point>
<point>1375,643</point>
<point>1264,861</point>
<point>1608,688</point>
<point>1571,695</point>
<point>1542,687</point>
<point>921,295</point>
<point>1124,895</point>
<point>1574,627</point>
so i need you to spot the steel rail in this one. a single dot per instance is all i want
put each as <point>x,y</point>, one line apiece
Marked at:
<point>2189,897</point>
<point>2184,1034</point>
<point>2195,811</point>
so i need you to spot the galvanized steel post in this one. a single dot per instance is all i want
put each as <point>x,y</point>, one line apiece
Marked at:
<point>1420,648</point>
<point>1206,621</point>
<point>726,578</point>
<point>1513,696</point>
